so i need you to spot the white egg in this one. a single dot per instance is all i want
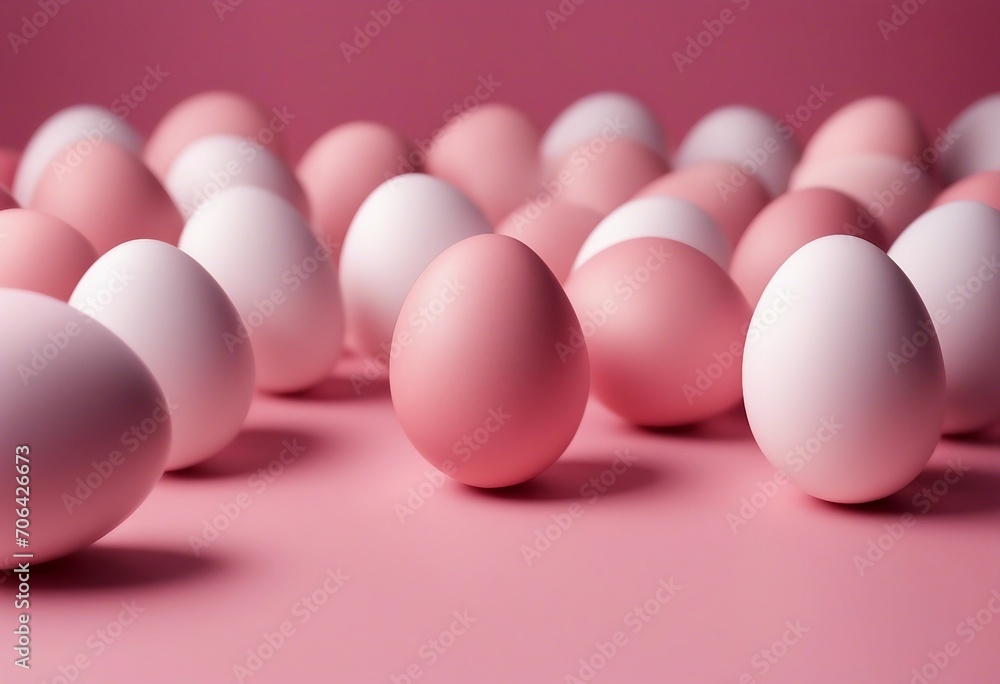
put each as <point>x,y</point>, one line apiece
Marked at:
<point>180,322</point>
<point>971,143</point>
<point>282,281</point>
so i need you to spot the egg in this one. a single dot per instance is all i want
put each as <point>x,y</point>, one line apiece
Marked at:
<point>826,402</point>
<point>64,139</point>
<point>214,112</point>
<point>110,197</point>
<point>603,174</point>
<point>893,191</point>
<point>180,322</point>
<point>869,125</point>
<point>982,187</point>
<point>397,232</point>
<point>665,217</point>
<point>751,140</point>
<point>728,195</point>
<point>211,164</point>
<point>39,252</point>
<point>342,167</point>
<point>280,278</point>
<point>553,228</point>
<point>664,326</point>
<point>9,159</point>
<point>950,255</point>
<point>490,377</point>
<point>82,421</point>
<point>490,154</point>
<point>597,115</point>
<point>791,221</point>
<point>7,200</point>
<point>971,143</point>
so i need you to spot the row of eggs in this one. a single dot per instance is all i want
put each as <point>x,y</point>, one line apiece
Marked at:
<point>567,263</point>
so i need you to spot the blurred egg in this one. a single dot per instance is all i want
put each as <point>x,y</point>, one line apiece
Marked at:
<point>9,159</point>
<point>982,187</point>
<point>892,191</point>
<point>281,280</point>
<point>747,138</point>
<point>602,175</point>
<point>950,254</point>
<point>971,143</point>
<point>791,221</point>
<point>342,167</point>
<point>7,200</point>
<point>214,112</point>
<point>211,164</point>
<point>110,197</point>
<point>490,154</point>
<point>39,252</point>
<point>826,404</point>
<point>397,232</point>
<point>64,139</point>
<point>92,419</point>
<point>663,217</point>
<point>664,327</point>
<point>490,379</point>
<point>553,228</point>
<point>870,125</point>
<point>727,194</point>
<point>177,318</point>
<point>603,114</point>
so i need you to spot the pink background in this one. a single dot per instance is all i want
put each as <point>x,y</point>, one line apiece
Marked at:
<point>665,517</point>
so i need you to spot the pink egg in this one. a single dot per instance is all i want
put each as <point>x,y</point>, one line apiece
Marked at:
<point>870,125</point>
<point>664,326</point>
<point>490,377</point>
<point>971,143</point>
<point>214,112</point>
<point>727,195</point>
<point>7,200</point>
<point>602,175</point>
<point>8,167</point>
<point>342,167</point>
<point>554,231</point>
<point>982,187</point>
<point>41,253</point>
<point>85,416</point>
<point>893,191</point>
<point>490,154</point>
<point>790,221</point>
<point>110,197</point>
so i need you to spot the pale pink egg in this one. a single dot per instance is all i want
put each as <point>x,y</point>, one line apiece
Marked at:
<point>490,377</point>
<point>730,197</point>
<point>893,191</point>
<point>602,175</point>
<point>42,253</point>
<point>84,422</point>
<point>110,197</point>
<point>971,143</point>
<point>214,112</point>
<point>982,187</point>
<point>664,325</point>
<point>7,200</point>
<point>490,154</point>
<point>870,125</point>
<point>790,221</point>
<point>342,167</point>
<point>9,160</point>
<point>555,231</point>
